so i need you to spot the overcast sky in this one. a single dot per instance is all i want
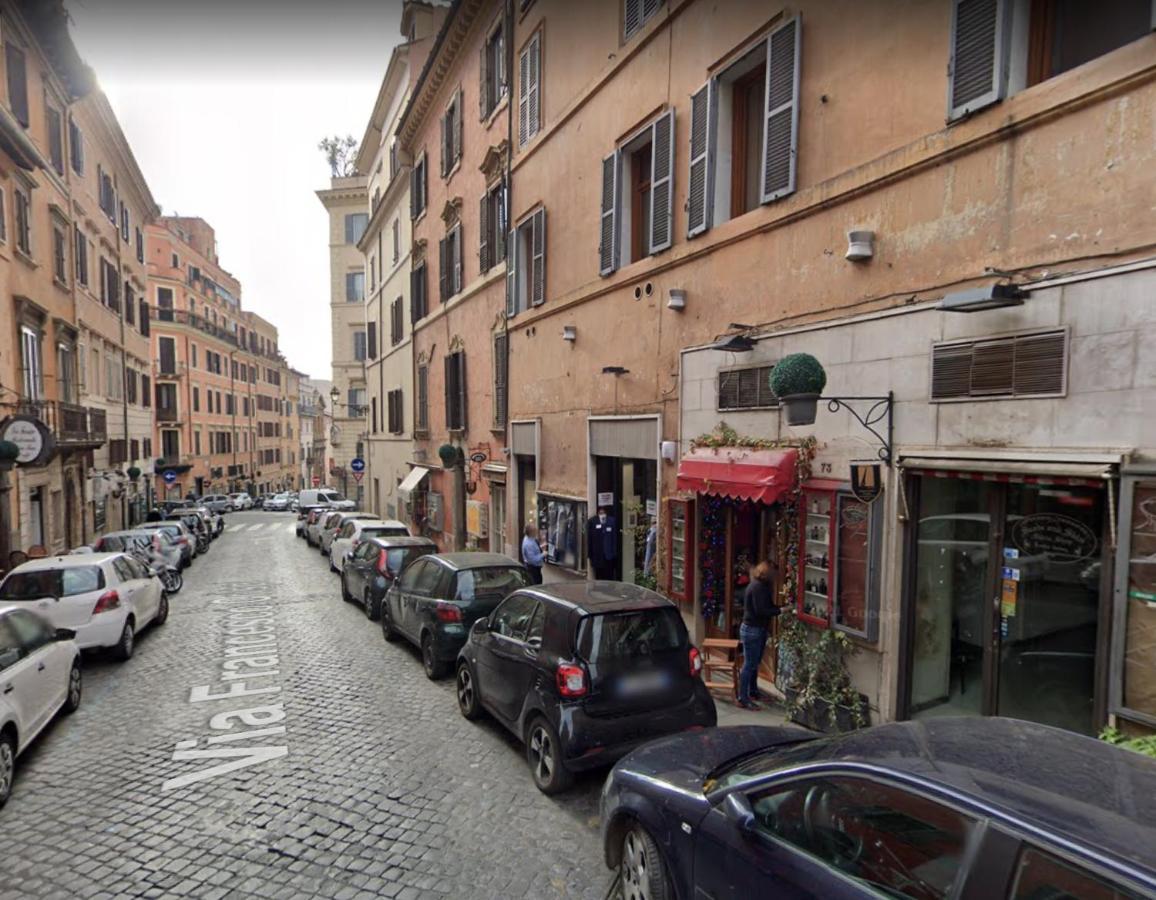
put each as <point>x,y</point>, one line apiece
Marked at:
<point>223,104</point>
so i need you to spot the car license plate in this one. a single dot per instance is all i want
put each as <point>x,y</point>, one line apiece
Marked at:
<point>640,683</point>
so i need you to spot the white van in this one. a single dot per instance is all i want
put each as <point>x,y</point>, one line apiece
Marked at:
<point>323,497</point>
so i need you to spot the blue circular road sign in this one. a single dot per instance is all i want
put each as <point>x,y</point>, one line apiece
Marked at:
<point>357,464</point>
<point>169,476</point>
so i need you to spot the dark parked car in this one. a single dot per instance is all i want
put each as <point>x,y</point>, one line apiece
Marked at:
<point>438,598</point>
<point>955,807</point>
<point>370,570</point>
<point>583,673</point>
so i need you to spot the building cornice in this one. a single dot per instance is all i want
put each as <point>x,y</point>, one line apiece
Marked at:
<point>393,83</point>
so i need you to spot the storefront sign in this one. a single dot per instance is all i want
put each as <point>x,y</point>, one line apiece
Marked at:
<point>31,436</point>
<point>652,508</point>
<point>606,499</point>
<point>1059,538</point>
<point>866,481</point>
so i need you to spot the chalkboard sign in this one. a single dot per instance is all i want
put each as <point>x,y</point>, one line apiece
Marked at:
<point>1060,538</point>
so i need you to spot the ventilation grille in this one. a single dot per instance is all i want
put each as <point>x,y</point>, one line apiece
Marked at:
<point>1025,365</point>
<point>746,389</point>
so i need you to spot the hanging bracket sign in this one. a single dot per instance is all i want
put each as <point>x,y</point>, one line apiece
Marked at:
<point>866,480</point>
<point>32,436</point>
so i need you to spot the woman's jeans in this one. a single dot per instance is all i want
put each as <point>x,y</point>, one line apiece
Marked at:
<point>754,641</point>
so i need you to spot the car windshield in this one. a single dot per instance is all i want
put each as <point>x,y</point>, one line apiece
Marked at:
<point>400,557</point>
<point>51,583</point>
<point>330,497</point>
<point>620,636</point>
<point>763,761</point>
<point>490,581</point>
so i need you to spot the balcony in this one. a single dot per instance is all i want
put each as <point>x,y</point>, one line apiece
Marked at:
<point>184,317</point>
<point>176,372</point>
<point>168,414</point>
<point>74,427</point>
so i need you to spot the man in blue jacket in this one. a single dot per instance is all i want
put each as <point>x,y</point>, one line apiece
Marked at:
<point>602,544</point>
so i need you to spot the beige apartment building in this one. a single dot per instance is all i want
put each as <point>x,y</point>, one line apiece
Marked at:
<point>386,246</point>
<point>834,178</point>
<point>346,202</point>
<point>455,134</point>
<point>73,346</point>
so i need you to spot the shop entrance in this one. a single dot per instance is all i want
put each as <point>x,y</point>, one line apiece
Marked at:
<point>1004,598</point>
<point>630,485</point>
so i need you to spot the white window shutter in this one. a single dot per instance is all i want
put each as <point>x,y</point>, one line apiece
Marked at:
<point>512,276</point>
<point>533,106</point>
<point>458,110</point>
<point>661,181</point>
<point>483,232</point>
<point>524,97</point>
<point>482,111</point>
<point>443,271</point>
<point>781,125</point>
<point>608,245</point>
<point>700,185</point>
<point>538,261</point>
<point>977,71</point>
<point>444,168</point>
<point>457,259</point>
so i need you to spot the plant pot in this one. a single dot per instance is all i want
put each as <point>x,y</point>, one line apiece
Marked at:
<point>817,715</point>
<point>800,408</point>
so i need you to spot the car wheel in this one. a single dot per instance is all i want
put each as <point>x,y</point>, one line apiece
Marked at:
<point>7,765</point>
<point>345,595</point>
<point>434,667</point>
<point>127,643</point>
<point>75,689</point>
<point>387,630</point>
<point>640,872</point>
<point>468,704</point>
<point>162,610</point>
<point>369,606</point>
<point>544,754</point>
<point>332,568</point>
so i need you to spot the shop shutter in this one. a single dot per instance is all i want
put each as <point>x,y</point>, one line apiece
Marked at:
<point>977,70</point>
<point>608,245</point>
<point>700,185</point>
<point>662,181</point>
<point>538,261</point>
<point>443,271</point>
<point>483,232</point>
<point>512,276</point>
<point>781,127</point>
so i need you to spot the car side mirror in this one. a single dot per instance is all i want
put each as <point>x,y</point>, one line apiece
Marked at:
<point>738,809</point>
<point>482,625</point>
<point>64,634</point>
<point>349,554</point>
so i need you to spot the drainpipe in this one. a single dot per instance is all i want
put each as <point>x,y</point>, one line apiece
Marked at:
<point>123,349</point>
<point>512,464</point>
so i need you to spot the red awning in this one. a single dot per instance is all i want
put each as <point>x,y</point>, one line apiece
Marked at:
<point>760,475</point>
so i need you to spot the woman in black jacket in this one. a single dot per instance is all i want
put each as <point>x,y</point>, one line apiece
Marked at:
<point>758,610</point>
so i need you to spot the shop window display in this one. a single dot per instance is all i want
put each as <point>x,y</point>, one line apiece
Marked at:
<point>562,522</point>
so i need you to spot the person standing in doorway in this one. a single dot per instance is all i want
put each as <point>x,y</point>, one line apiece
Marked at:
<point>532,557</point>
<point>602,544</point>
<point>758,610</point>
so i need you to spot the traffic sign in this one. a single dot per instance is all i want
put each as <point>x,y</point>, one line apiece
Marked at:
<point>316,481</point>
<point>357,476</point>
<point>169,476</point>
<point>357,464</point>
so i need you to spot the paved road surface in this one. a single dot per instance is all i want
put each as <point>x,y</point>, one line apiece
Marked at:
<point>376,787</point>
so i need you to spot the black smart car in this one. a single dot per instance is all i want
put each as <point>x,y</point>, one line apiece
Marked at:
<point>370,569</point>
<point>970,808</point>
<point>583,673</point>
<point>438,598</point>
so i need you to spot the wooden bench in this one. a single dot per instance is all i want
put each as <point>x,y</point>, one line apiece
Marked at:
<point>721,665</point>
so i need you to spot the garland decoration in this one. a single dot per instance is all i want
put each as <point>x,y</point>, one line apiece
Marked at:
<point>712,548</point>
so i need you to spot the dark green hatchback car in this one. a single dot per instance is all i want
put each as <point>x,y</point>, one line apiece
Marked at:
<point>438,598</point>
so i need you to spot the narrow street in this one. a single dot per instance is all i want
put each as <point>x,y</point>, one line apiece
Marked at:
<point>385,790</point>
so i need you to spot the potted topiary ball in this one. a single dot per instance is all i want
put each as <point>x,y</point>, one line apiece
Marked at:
<point>449,455</point>
<point>798,380</point>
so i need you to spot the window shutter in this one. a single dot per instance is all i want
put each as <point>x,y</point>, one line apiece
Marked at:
<point>482,111</point>
<point>457,248</point>
<point>608,245</point>
<point>631,17</point>
<point>17,83</point>
<point>538,259</point>
<point>661,181</point>
<point>533,105</point>
<point>781,126</point>
<point>977,70</point>
<point>457,136</point>
<point>443,271</point>
<point>461,385</point>
<point>524,96</point>
<point>445,156</point>
<point>451,392</point>
<point>512,276</point>
<point>413,179</point>
<point>483,233</point>
<point>372,339</point>
<point>700,185</point>
<point>501,352</point>
<point>1040,363</point>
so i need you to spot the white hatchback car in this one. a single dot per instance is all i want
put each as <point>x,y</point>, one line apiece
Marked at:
<point>39,675</point>
<point>353,531</point>
<point>241,501</point>
<point>106,598</point>
<point>333,525</point>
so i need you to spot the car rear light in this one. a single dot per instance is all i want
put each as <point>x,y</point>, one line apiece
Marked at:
<point>108,601</point>
<point>447,612</point>
<point>695,662</point>
<point>571,680</point>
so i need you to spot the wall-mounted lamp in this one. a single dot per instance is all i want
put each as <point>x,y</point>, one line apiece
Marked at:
<point>734,343</point>
<point>570,333</point>
<point>860,245</point>
<point>994,296</point>
<point>676,299</point>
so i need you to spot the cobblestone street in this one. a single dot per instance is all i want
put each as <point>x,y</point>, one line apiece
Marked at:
<point>385,790</point>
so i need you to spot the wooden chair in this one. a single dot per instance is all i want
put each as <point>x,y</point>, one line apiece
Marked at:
<point>720,666</point>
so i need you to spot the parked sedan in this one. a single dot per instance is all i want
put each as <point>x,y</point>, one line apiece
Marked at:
<point>438,598</point>
<point>276,503</point>
<point>106,598</point>
<point>314,517</point>
<point>353,531</point>
<point>39,676</point>
<point>583,672</point>
<point>370,570</point>
<point>953,807</point>
<point>241,500</point>
<point>218,503</point>
<point>334,523</point>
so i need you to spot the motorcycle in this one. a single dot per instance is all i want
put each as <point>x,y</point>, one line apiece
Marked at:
<point>171,578</point>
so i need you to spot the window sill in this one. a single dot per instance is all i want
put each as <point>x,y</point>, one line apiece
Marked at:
<point>25,258</point>
<point>63,285</point>
<point>502,104</point>
<point>453,170</point>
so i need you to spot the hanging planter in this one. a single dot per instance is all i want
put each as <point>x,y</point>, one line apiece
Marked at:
<point>133,473</point>
<point>798,381</point>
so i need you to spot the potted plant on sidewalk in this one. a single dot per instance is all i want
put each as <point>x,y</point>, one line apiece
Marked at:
<point>814,677</point>
<point>797,380</point>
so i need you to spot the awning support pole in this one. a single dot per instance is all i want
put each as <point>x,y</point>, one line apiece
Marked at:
<point>878,409</point>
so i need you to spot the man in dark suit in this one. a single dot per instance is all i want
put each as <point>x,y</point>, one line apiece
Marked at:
<point>602,544</point>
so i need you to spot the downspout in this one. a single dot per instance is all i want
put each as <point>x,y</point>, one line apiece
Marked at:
<point>85,478</point>
<point>123,349</point>
<point>511,467</point>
